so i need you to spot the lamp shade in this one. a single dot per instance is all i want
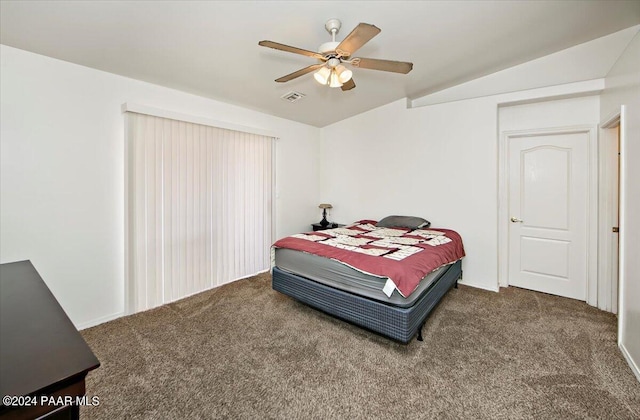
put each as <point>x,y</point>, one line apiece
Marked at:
<point>325,206</point>
<point>322,75</point>
<point>344,74</point>
<point>334,80</point>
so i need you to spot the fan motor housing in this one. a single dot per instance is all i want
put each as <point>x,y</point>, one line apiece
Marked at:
<point>328,47</point>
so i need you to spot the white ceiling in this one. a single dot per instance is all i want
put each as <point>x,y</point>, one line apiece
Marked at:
<point>211,48</point>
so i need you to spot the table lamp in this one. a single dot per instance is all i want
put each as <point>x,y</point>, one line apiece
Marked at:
<point>324,222</point>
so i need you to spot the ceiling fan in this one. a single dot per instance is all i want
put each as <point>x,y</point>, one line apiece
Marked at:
<point>331,71</point>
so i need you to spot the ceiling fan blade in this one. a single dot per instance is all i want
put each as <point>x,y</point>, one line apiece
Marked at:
<point>299,73</point>
<point>383,65</point>
<point>288,48</point>
<point>360,35</point>
<point>350,84</point>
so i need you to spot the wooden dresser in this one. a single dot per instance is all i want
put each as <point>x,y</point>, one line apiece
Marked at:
<point>43,358</point>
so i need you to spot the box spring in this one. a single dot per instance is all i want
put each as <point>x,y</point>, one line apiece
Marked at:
<point>392,321</point>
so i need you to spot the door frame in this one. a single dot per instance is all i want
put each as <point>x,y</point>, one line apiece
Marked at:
<point>607,289</point>
<point>592,201</point>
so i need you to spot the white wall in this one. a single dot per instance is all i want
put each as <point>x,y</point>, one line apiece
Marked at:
<point>622,87</point>
<point>436,162</point>
<point>62,173</point>
<point>567,112</point>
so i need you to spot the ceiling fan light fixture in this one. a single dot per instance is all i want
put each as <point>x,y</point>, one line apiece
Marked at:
<point>322,75</point>
<point>334,80</point>
<point>329,69</point>
<point>344,74</point>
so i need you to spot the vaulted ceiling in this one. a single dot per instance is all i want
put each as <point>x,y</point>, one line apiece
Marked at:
<point>211,48</point>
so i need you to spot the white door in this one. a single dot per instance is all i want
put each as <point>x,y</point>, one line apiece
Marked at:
<point>548,186</point>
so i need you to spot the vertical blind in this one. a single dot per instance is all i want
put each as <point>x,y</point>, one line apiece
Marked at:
<point>199,208</point>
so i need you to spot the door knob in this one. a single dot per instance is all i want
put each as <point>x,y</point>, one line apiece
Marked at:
<point>516,220</point>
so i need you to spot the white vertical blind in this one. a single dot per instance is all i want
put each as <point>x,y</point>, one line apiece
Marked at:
<point>199,208</point>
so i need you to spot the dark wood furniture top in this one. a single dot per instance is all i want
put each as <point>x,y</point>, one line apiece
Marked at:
<point>317,226</point>
<point>41,351</point>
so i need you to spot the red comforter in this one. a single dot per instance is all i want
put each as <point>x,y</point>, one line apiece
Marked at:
<point>403,256</point>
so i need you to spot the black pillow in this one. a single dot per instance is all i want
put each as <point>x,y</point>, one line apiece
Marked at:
<point>408,222</point>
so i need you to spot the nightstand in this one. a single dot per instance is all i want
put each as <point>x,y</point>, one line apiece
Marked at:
<point>318,226</point>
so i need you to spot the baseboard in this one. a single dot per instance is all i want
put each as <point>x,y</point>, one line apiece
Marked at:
<point>630,361</point>
<point>98,321</point>
<point>477,286</point>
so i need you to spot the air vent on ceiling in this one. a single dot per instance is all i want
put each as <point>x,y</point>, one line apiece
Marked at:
<point>292,96</point>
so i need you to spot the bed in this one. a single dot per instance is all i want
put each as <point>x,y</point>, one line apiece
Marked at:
<point>384,276</point>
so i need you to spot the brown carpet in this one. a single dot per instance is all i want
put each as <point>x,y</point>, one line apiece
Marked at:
<point>244,351</point>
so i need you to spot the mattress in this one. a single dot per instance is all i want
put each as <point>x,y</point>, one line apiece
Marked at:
<point>340,276</point>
